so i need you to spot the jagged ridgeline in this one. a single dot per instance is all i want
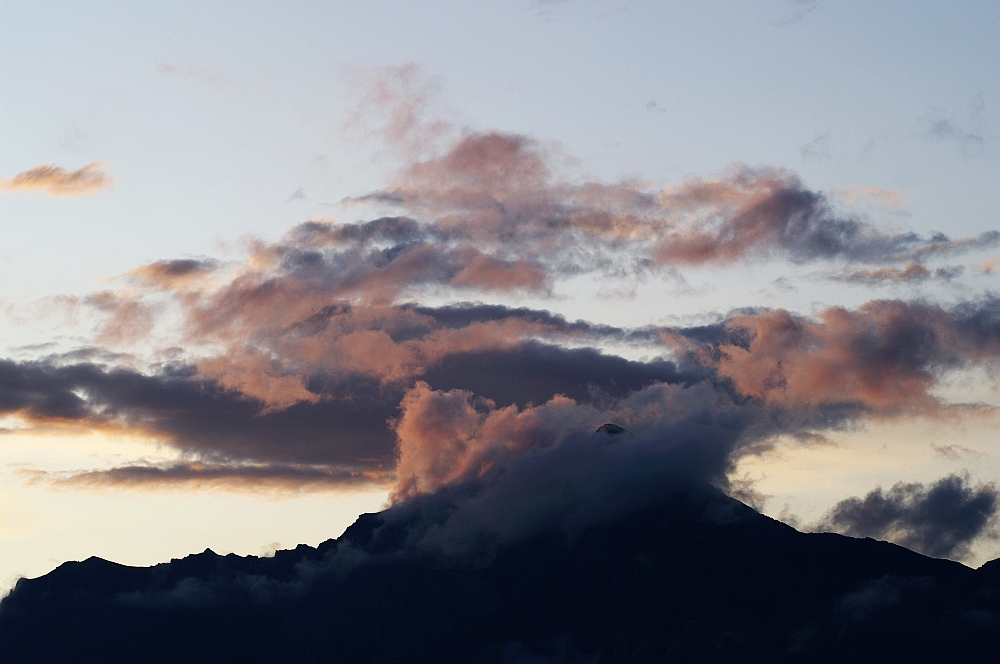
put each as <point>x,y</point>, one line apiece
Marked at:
<point>697,577</point>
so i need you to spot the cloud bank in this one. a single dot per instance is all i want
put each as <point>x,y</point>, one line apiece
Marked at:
<point>319,362</point>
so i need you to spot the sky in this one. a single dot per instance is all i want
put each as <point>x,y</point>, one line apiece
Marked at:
<point>267,266</point>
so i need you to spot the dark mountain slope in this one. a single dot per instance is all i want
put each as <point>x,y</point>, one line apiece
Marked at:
<point>698,578</point>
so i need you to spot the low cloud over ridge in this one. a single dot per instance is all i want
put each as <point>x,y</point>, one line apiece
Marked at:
<point>940,520</point>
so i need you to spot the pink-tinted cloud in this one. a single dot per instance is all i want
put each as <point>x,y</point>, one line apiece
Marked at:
<point>58,181</point>
<point>394,103</point>
<point>173,274</point>
<point>127,319</point>
<point>869,195</point>
<point>495,189</point>
<point>444,439</point>
<point>886,356</point>
<point>456,395</point>
<point>314,353</point>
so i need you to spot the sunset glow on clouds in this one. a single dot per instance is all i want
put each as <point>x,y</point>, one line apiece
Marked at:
<point>58,181</point>
<point>423,333</point>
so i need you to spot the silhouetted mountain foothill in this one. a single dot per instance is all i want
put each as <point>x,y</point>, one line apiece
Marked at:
<point>697,578</point>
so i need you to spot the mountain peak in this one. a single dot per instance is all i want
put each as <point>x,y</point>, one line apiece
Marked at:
<point>697,577</point>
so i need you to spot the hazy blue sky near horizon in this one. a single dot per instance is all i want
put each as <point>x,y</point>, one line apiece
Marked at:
<point>222,121</point>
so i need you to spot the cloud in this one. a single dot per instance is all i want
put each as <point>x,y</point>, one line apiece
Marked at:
<point>322,426</point>
<point>394,103</point>
<point>472,475</point>
<point>884,357</point>
<point>57,181</point>
<point>802,9</point>
<point>495,190</point>
<point>939,520</point>
<point>945,128</point>
<point>818,148</point>
<point>198,418</point>
<point>473,403</point>
<point>240,477</point>
<point>316,357</point>
<point>911,272</point>
<point>173,274</point>
<point>882,593</point>
<point>955,452</point>
<point>317,364</point>
<point>888,199</point>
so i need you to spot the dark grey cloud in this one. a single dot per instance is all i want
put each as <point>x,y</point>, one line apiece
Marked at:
<point>393,230</point>
<point>464,314</point>
<point>940,520</point>
<point>197,416</point>
<point>535,372</point>
<point>228,476</point>
<point>881,594</point>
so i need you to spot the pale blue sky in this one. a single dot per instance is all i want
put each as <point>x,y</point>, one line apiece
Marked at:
<point>846,95</point>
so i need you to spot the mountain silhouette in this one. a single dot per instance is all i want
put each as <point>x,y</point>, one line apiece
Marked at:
<point>699,577</point>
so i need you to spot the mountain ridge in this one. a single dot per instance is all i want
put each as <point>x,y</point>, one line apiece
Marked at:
<point>698,577</point>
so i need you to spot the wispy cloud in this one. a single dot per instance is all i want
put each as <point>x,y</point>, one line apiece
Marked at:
<point>490,188</point>
<point>801,9</point>
<point>955,452</point>
<point>239,477</point>
<point>394,104</point>
<point>868,195</point>
<point>58,181</point>
<point>910,273</point>
<point>818,149</point>
<point>942,127</point>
